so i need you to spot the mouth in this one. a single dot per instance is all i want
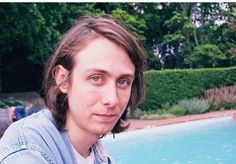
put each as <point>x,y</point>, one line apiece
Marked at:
<point>106,117</point>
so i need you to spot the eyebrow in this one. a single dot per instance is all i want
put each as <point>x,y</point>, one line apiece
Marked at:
<point>127,74</point>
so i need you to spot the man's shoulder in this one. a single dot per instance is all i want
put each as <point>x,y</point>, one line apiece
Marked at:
<point>35,124</point>
<point>39,121</point>
<point>35,133</point>
<point>27,130</point>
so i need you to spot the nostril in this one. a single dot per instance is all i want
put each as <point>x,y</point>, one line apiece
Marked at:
<point>111,101</point>
<point>110,98</point>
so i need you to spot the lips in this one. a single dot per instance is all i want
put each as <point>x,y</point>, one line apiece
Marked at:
<point>105,117</point>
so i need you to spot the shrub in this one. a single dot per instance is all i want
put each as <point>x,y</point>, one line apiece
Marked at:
<point>10,102</point>
<point>159,111</point>
<point>163,86</point>
<point>212,107</point>
<point>194,106</point>
<point>227,105</point>
<point>134,114</point>
<point>150,117</point>
<point>157,116</point>
<point>178,110</point>
<point>166,115</point>
<point>224,97</point>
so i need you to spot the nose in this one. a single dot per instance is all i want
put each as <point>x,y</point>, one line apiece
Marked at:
<point>110,96</point>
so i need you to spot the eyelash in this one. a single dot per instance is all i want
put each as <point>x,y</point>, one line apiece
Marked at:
<point>124,85</point>
<point>98,80</point>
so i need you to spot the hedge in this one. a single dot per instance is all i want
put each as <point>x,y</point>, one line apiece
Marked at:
<point>169,86</point>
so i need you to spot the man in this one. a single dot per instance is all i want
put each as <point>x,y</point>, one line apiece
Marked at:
<point>94,75</point>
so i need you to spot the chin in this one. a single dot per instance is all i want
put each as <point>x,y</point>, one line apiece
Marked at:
<point>105,130</point>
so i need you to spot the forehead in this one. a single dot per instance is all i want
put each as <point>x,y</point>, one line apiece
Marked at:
<point>103,54</point>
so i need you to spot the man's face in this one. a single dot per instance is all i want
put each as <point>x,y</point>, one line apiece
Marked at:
<point>100,87</point>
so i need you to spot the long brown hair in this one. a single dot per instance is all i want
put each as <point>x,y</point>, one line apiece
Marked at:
<point>74,40</point>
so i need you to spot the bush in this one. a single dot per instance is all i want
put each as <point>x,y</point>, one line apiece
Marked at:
<point>212,107</point>
<point>224,97</point>
<point>177,110</point>
<point>157,116</point>
<point>167,115</point>
<point>134,114</point>
<point>227,105</point>
<point>194,106</point>
<point>150,117</point>
<point>163,86</point>
<point>10,102</point>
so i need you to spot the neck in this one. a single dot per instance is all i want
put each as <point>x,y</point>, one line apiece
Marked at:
<point>81,140</point>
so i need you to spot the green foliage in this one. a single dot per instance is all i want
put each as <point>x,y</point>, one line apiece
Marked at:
<point>178,110</point>
<point>136,25</point>
<point>194,106</point>
<point>189,106</point>
<point>207,55</point>
<point>150,117</point>
<point>174,35</point>
<point>157,116</point>
<point>176,20</point>
<point>180,29</point>
<point>213,107</point>
<point>228,105</point>
<point>170,86</point>
<point>188,27</point>
<point>8,102</point>
<point>221,98</point>
<point>29,32</point>
<point>136,114</point>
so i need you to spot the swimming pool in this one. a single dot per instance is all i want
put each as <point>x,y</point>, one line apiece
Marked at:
<point>211,141</point>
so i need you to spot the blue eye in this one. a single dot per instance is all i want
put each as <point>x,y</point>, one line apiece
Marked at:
<point>96,78</point>
<point>123,83</point>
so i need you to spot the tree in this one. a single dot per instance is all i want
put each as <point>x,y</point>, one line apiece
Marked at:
<point>207,55</point>
<point>228,35</point>
<point>180,32</point>
<point>136,25</point>
<point>29,32</point>
<point>174,35</point>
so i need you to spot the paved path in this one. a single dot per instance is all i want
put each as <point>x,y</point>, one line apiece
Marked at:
<point>140,124</point>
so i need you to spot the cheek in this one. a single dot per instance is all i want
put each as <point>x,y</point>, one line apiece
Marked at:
<point>85,96</point>
<point>124,99</point>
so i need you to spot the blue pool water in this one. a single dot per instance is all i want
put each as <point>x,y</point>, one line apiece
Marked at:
<point>211,141</point>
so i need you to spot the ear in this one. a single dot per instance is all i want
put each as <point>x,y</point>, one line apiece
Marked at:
<point>61,75</point>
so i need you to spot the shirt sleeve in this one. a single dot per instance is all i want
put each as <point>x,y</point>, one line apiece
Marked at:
<point>27,156</point>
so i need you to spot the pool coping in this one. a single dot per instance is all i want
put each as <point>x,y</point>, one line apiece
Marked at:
<point>136,124</point>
